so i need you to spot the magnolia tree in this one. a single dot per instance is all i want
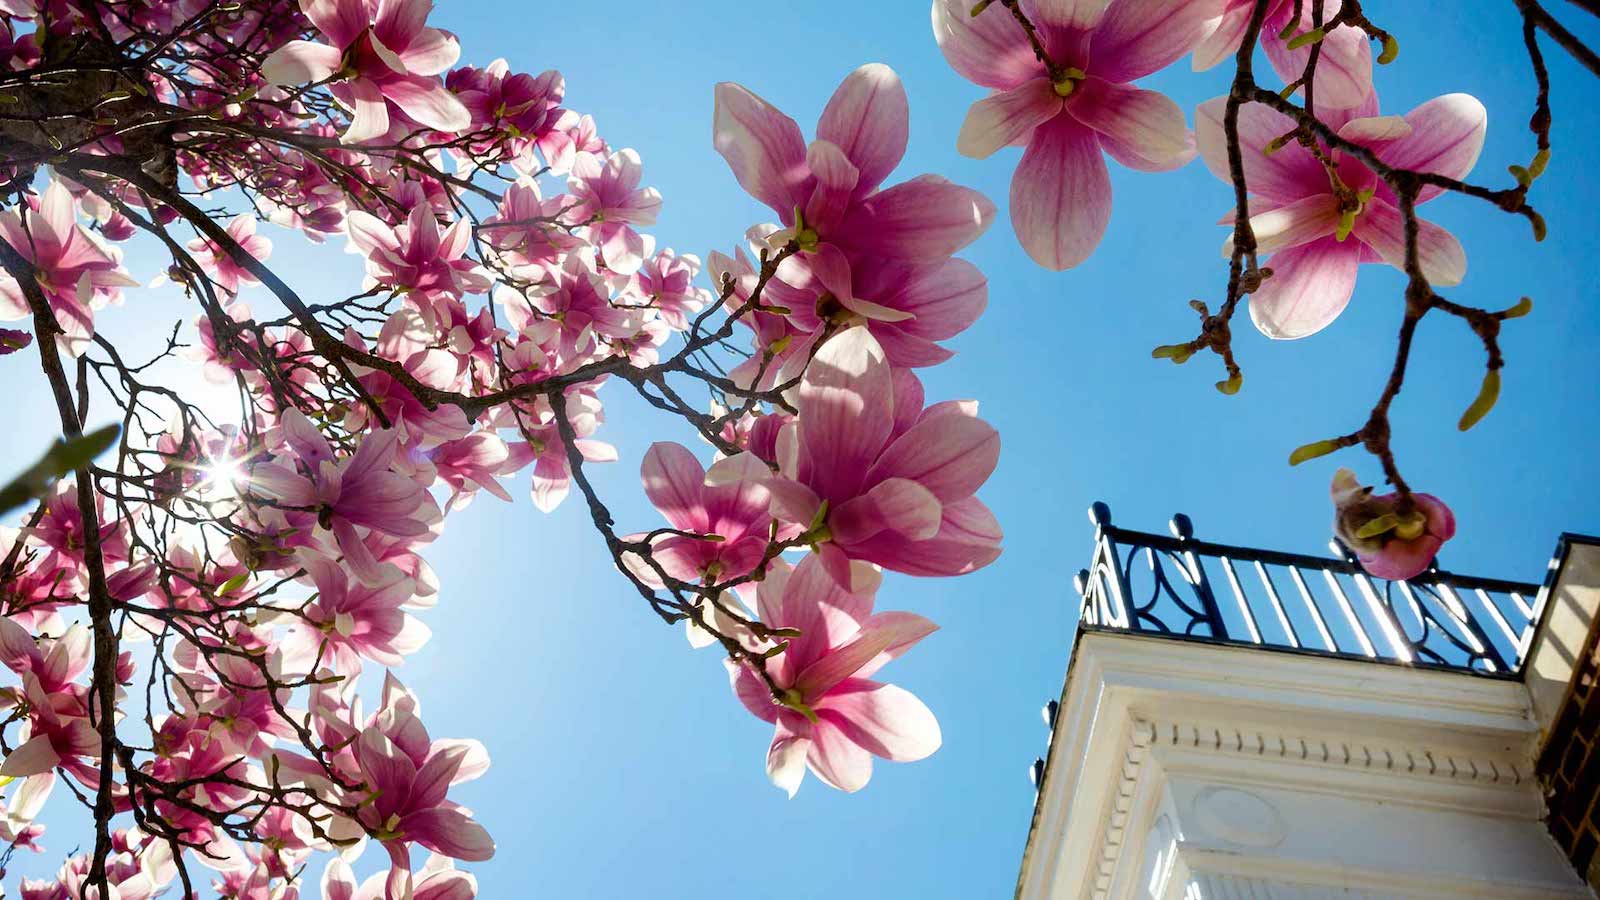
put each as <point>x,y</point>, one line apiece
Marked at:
<point>193,592</point>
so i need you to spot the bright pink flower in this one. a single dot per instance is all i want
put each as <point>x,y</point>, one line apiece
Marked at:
<point>381,54</point>
<point>610,201</point>
<point>735,510</point>
<point>403,777</point>
<point>473,462</point>
<point>510,111</point>
<point>58,728</point>
<point>219,263</point>
<point>1306,226</point>
<point>832,717</point>
<point>355,492</point>
<point>1390,543</point>
<point>349,621</point>
<point>666,283</point>
<point>76,272</point>
<point>1344,67</point>
<point>832,185</point>
<point>873,476</point>
<point>525,228</point>
<point>577,297</point>
<point>1061,191</point>
<point>417,257</point>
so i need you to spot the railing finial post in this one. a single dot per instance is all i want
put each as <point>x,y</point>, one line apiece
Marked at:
<point>1181,527</point>
<point>1099,514</point>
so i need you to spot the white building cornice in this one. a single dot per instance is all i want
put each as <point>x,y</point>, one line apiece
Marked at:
<point>1222,746</point>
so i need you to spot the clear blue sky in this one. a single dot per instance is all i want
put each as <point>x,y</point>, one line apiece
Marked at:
<point>622,765</point>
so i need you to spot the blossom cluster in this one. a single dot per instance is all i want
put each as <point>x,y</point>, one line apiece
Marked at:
<point>249,568</point>
<point>1062,87</point>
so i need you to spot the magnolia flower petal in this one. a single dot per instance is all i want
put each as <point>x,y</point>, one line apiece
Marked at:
<point>429,102</point>
<point>888,721</point>
<point>763,147</point>
<point>1443,259</point>
<point>869,118</point>
<point>840,762</point>
<point>300,62</point>
<point>926,219</point>
<point>1446,138</point>
<point>1309,287</point>
<point>32,758</point>
<point>1344,67</point>
<point>1061,194</point>
<point>989,50</point>
<point>1284,176</point>
<point>1291,225</point>
<point>1137,37</point>
<point>1146,125</point>
<point>1006,117</point>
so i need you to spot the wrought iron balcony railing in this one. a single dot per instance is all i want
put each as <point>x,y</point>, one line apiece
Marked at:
<point>1197,590</point>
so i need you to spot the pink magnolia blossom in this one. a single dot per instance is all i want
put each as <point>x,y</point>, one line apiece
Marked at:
<point>417,257</point>
<point>666,283</point>
<point>1344,67</point>
<point>832,718</point>
<point>1307,227</point>
<point>873,476</point>
<point>403,777</point>
<point>220,264</point>
<point>381,54</point>
<point>547,450</point>
<point>76,272</point>
<point>349,621</point>
<point>577,297</point>
<point>438,879</point>
<point>524,228</point>
<point>466,465</point>
<point>58,731</point>
<point>734,510</point>
<point>359,491</point>
<point>1061,191</point>
<point>609,200</point>
<point>508,110</point>
<point>1390,543</point>
<point>827,194</point>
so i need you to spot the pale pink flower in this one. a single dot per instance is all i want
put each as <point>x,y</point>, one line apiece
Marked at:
<point>349,621</point>
<point>608,199</point>
<point>348,494</point>
<point>827,193</point>
<point>1389,543</point>
<point>873,476</point>
<point>734,511</point>
<point>381,54</point>
<point>509,111</point>
<point>832,717</point>
<point>1306,227</point>
<point>666,283</point>
<point>547,450</point>
<point>1344,67</point>
<point>1061,191</point>
<point>220,264</point>
<point>438,879</point>
<point>77,273</point>
<point>417,257</point>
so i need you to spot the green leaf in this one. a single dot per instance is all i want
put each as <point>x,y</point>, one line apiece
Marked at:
<point>63,457</point>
